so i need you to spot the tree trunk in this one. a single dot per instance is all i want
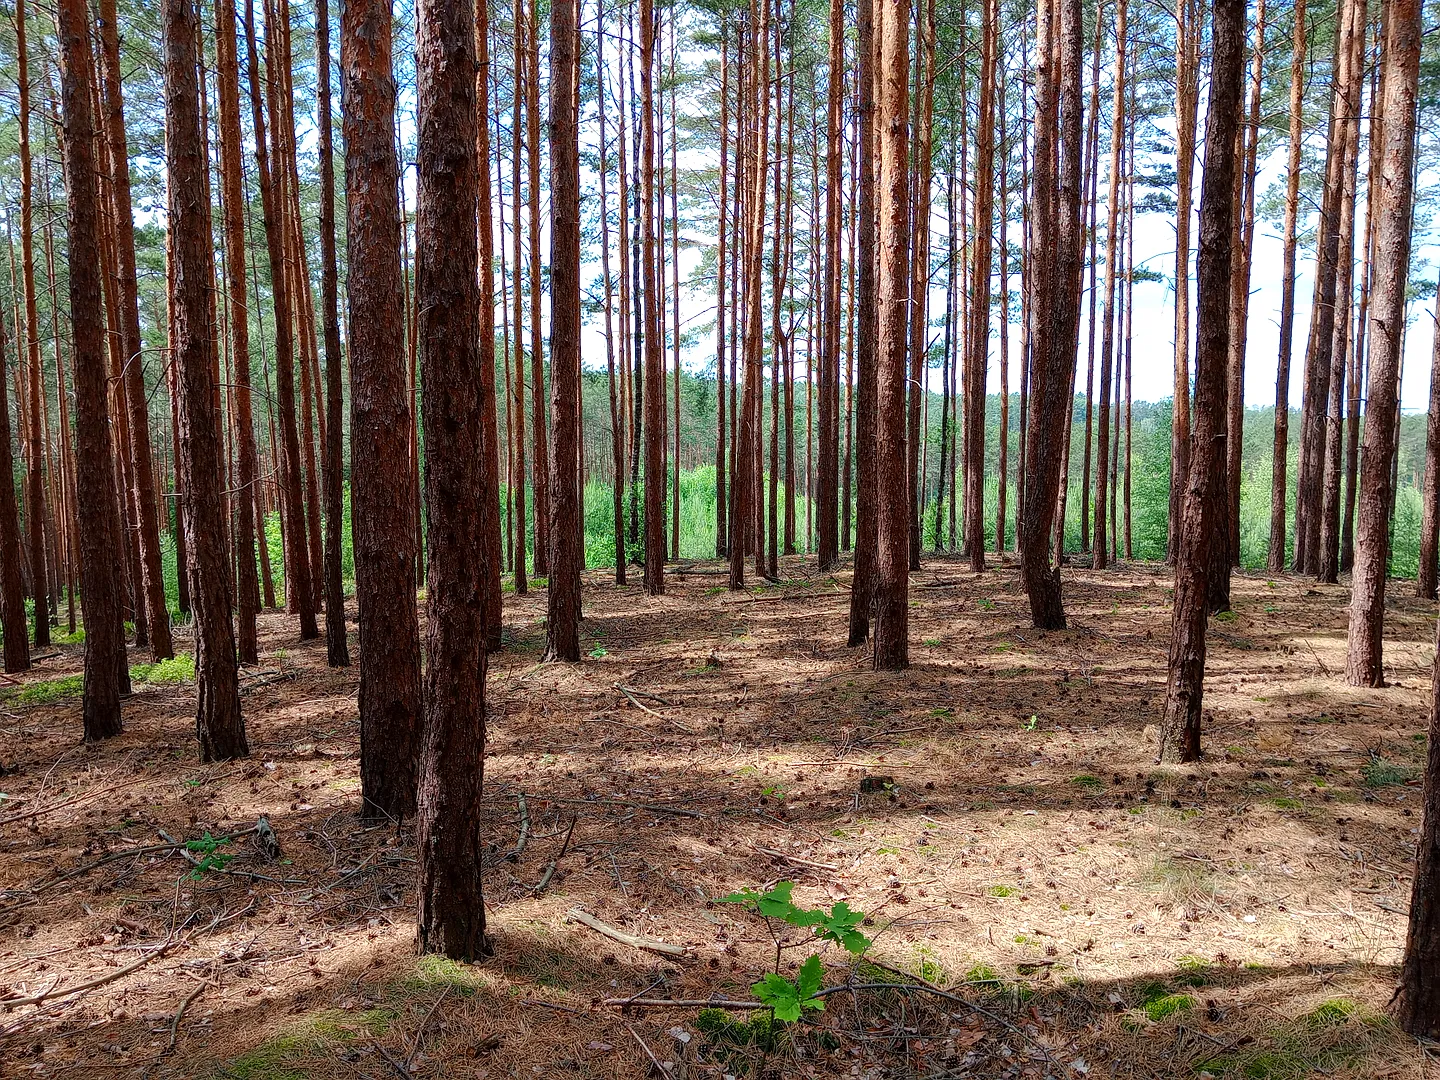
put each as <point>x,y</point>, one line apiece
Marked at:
<point>1318,352</point>
<point>1327,552</point>
<point>337,651</point>
<point>654,376</point>
<point>12,588</point>
<point>1112,254</point>
<point>299,588</point>
<point>516,425</point>
<point>490,570</point>
<point>233,201</point>
<point>562,626</point>
<point>450,833</point>
<point>617,406</point>
<point>1205,477</point>
<point>137,402</point>
<point>381,523</point>
<point>862,585</point>
<point>978,337</point>
<point>218,722</point>
<point>826,492</point>
<point>34,457</point>
<point>1003,465</point>
<point>1280,454</point>
<point>894,502</point>
<point>1055,257</point>
<point>105,660</point>
<point>1187,95</point>
<point>1391,206</point>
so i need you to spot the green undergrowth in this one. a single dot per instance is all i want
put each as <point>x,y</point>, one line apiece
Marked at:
<point>287,1056</point>
<point>1336,1034</point>
<point>179,669</point>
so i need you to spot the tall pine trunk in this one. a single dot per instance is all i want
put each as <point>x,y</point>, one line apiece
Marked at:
<point>337,651</point>
<point>137,402</point>
<point>562,626</point>
<point>450,833</point>
<point>893,496</point>
<point>862,585</point>
<point>218,721</point>
<point>106,666</point>
<point>12,588</point>
<point>1205,487</point>
<point>1391,206</point>
<point>381,522</point>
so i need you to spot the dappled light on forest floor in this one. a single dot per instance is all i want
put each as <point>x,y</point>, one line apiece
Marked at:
<point>995,812</point>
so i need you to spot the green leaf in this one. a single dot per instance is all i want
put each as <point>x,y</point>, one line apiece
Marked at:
<point>781,995</point>
<point>748,897</point>
<point>812,972</point>
<point>840,925</point>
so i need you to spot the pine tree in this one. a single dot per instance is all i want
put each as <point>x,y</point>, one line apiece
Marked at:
<point>450,839</point>
<point>380,477</point>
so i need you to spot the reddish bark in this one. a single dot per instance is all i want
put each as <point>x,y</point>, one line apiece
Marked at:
<point>562,629</point>
<point>1205,491</point>
<point>137,402</point>
<point>218,721</point>
<point>863,582</point>
<point>12,588</point>
<point>450,837</point>
<point>381,500</point>
<point>892,487</point>
<point>233,198</point>
<point>106,668</point>
<point>1392,207</point>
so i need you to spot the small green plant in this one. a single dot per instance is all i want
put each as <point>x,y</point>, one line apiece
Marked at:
<point>1381,772</point>
<point>1032,723</point>
<point>598,652</point>
<point>1088,782</point>
<point>210,857</point>
<point>789,999</point>
<point>1002,891</point>
<point>986,604</point>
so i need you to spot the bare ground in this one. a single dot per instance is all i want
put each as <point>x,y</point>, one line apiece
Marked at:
<point>1089,911</point>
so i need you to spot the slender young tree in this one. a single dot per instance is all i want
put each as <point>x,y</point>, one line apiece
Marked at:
<point>485,242</point>
<point>450,838</point>
<point>892,489</point>
<point>106,665</point>
<point>562,626</point>
<point>34,454</point>
<point>1275,558</point>
<point>721,310</point>
<point>232,190</point>
<point>218,721</point>
<point>381,522</point>
<point>978,336</point>
<point>862,584</point>
<point>337,651</point>
<point>1205,477</point>
<point>152,581</point>
<point>12,588</point>
<point>1391,205</point>
<point>1188,27</point>
<point>827,504</point>
<point>1104,448</point>
<point>299,585</point>
<point>653,343</point>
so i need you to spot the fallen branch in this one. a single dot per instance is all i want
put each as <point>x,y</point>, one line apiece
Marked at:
<point>180,1012</point>
<point>550,866</point>
<point>854,764</point>
<point>524,839</point>
<point>796,859</point>
<point>6,1004</point>
<point>634,941</point>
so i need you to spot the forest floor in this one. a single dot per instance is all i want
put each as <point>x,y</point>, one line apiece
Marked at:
<point>1089,911</point>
